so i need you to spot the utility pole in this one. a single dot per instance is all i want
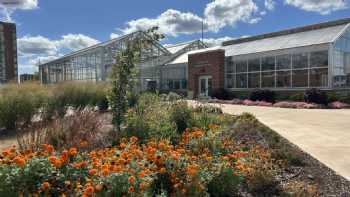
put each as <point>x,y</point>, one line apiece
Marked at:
<point>202,30</point>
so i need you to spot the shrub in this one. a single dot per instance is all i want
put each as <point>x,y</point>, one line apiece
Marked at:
<point>338,105</point>
<point>208,109</point>
<point>103,104</point>
<point>19,104</point>
<point>66,132</point>
<point>299,97</point>
<point>262,181</point>
<point>315,96</point>
<point>150,118</point>
<point>222,94</point>
<point>181,115</point>
<point>225,184</point>
<point>300,189</point>
<point>172,96</point>
<point>262,95</point>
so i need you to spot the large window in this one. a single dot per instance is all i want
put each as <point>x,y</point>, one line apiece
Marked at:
<point>254,80</point>
<point>241,80</point>
<point>230,81</point>
<point>319,59</point>
<point>341,61</point>
<point>241,66</point>
<point>319,77</point>
<point>268,63</point>
<point>300,61</point>
<point>300,78</point>
<point>268,79</point>
<point>230,67</point>
<point>283,79</point>
<point>283,62</point>
<point>294,70</point>
<point>254,65</point>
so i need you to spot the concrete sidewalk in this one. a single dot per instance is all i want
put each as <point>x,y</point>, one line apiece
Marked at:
<point>323,133</point>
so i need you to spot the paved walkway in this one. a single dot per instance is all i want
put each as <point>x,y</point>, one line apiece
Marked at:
<point>323,133</point>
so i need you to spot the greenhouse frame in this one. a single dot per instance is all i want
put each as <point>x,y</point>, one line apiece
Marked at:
<point>313,56</point>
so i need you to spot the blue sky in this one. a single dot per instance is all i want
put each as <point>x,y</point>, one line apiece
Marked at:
<point>47,29</point>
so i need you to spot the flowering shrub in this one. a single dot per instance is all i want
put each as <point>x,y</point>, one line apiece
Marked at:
<point>131,168</point>
<point>338,105</point>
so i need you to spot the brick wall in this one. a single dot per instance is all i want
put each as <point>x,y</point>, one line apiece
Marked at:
<point>10,51</point>
<point>210,63</point>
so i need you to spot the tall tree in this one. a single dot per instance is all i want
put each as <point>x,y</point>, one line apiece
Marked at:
<point>124,73</point>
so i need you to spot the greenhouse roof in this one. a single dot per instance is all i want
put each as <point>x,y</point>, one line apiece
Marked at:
<point>322,33</point>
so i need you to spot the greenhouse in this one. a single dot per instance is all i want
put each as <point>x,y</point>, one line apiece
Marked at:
<point>94,64</point>
<point>314,56</point>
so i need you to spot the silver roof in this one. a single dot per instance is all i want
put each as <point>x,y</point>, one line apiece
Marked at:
<point>178,47</point>
<point>286,41</point>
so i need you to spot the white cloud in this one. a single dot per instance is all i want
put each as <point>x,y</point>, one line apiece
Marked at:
<point>7,7</point>
<point>39,45</point>
<point>321,6</point>
<point>269,4</point>
<point>28,46</point>
<point>19,4</point>
<point>75,42</point>
<point>222,13</point>
<point>217,15</point>
<point>43,59</point>
<point>114,35</point>
<point>35,49</point>
<point>170,22</point>
<point>216,41</point>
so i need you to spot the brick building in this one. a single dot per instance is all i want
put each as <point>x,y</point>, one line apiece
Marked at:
<point>8,52</point>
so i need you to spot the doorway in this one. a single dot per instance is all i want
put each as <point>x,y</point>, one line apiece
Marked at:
<point>205,85</point>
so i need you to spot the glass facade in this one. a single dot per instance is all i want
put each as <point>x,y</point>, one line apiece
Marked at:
<point>174,77</point>
<point>341,61</point>
<point>280,71</point>
<point>95,63</point>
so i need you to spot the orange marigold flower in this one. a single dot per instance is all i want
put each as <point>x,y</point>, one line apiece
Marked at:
<point>133,139</point>
<point>105,172</point>
<point>20,161</point>
<point>73,152</point>
<point>161,146</point>
<point>52,159</point>
<point>84,144</point>
<point>89,190</point>
<point>64,156</point>
<point>162,171</point>
<point>45,186</point>
<point>131,189</point>
<point>122,145</point>
<point>131,179</point>
<point>57,163</point>
<point>92,172</point>
<point>213,126</point>
<point>192,170</point>
<point>142,174</point>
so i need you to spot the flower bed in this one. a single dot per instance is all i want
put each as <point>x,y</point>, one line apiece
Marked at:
<point>130,168</point>
<point>283,104</point>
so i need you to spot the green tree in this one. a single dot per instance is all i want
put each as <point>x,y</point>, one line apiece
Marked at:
<point>123,77</point>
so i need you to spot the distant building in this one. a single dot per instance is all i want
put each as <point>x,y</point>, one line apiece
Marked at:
<point>8,52</point>
<point>313,56</point>
<point>28,77</point>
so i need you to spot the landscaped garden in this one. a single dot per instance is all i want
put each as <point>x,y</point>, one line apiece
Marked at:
<point>309,99</point>
<point>67,146</point>
<point>97,139</point>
